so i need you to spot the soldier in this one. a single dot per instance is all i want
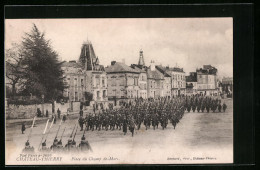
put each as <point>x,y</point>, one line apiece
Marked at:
<point>23,127</point>
<point>132,126</point>
<point>81,112</point>
<point>219,107</point>
<point>84,145</point>
<point>68,145</point>
<point>64,118</point>
<point>81,122</point>
<point>193,107</point>
<point>125,125</point>
<point>224,106</point>
<point>58,111</point>
<point>59,146</point>
<point>54,145</point>
<point>44,148</point>
<point>47,113</point>
<point>28,148</point>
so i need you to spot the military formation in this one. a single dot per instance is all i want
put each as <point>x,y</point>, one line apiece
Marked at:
<point>204,103</point>
<point>130,116</point>
<point>134,114</point>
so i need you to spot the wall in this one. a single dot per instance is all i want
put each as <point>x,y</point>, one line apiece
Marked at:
<point>25,111</point>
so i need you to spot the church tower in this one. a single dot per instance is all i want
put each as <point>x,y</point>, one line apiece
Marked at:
<point>141,59</point>
<point>87,56</point>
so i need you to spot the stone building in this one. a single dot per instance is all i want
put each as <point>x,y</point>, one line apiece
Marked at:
<point>155,82</point>
<point>141,68</point>
<point>191,84</point>
<point>207,80</point>
<point>227,85</point>
<point>178,80</point>
<point>123,82</point>
<point>86,77</point>
<point>167,84</point>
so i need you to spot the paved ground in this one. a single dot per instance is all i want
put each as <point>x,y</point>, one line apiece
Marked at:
<point>199,137</point>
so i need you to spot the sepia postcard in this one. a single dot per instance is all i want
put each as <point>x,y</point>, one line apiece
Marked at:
<point>118,91</point>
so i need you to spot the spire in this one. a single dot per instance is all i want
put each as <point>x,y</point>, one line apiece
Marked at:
<point>141,59</point>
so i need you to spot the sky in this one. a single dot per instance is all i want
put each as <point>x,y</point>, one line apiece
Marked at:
<point>188,43</point>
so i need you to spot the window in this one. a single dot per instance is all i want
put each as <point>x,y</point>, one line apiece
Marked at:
<point>114,93</point>
<point>103,82</point>
<point>82,84</point>
<point>76,96</point>
<point>98,95</point>
<point>104,94</point>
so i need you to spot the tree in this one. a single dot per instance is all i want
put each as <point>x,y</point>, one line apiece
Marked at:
<point>14,67</point>
<point>44,75</point>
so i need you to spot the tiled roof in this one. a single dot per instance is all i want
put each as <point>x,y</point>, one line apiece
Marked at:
<point>71,64</point>
<point>120,67</point>
<point>163,70</point>
<point>154,74</point>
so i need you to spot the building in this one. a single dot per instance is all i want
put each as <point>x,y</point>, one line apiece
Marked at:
<point>191,84</point>
<point>227,85</point>
<point>178,80</point>
<point>86,78</point>
<point>167,85</point>
<point>123,82</point>
<point>155,82</point>
<point>207,80</point>
<point>141,68</point>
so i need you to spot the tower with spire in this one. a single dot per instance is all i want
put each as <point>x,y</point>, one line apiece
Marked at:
<point>141,59</point>
<point>88,58</point>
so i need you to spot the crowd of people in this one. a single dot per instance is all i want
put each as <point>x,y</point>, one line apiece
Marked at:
<point>131,116</point>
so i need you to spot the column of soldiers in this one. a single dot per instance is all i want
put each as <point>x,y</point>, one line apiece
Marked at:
<point>132,115</point>
<point>149,112</point>
<point>204,103</point>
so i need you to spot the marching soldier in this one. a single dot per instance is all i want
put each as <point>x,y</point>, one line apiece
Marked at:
<point>58,111</point>
<point>81,122</point>
<point>219,107</point>
<point>224,106</point>
<point>23,127</point>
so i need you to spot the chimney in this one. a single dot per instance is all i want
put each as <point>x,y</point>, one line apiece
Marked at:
<point>152,65</point>
<point>113,63</point>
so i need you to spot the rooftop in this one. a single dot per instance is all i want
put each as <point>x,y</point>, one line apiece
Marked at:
<point>117,67</point>
<point>154,74</point>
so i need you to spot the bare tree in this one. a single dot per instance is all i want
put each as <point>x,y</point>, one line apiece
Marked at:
<point>14,67</point>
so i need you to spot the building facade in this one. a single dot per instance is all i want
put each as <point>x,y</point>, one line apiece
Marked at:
<point>155,82</point>
<point>191,84</point>
<point>86,78</point>
<point>207,80</point>
<point>167,84</point>
<point>227,85</point>
<point>123,82</point>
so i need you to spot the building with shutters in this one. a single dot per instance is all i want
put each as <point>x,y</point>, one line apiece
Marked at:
<point>86,77</point>
<point>123,82</point>
<point>207,80</point>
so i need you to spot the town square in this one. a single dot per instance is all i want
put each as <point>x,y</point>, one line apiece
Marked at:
<point>154,91</point>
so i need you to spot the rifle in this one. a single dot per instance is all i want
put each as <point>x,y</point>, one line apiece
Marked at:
<point>73,131</point>
<point>58,129</point>
<point>44,132</point>
<point>62,133</point>
<point>75,134</point>
<point>31,128</point>
<point>49,129</point>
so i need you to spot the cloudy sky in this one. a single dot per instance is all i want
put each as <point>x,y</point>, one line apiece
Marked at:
<point>189,42</point>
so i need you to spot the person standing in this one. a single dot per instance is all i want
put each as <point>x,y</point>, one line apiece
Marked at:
<point>23,127</point>
<point>58,111</point>
<point>47,113</point>
<point>125,126</point>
